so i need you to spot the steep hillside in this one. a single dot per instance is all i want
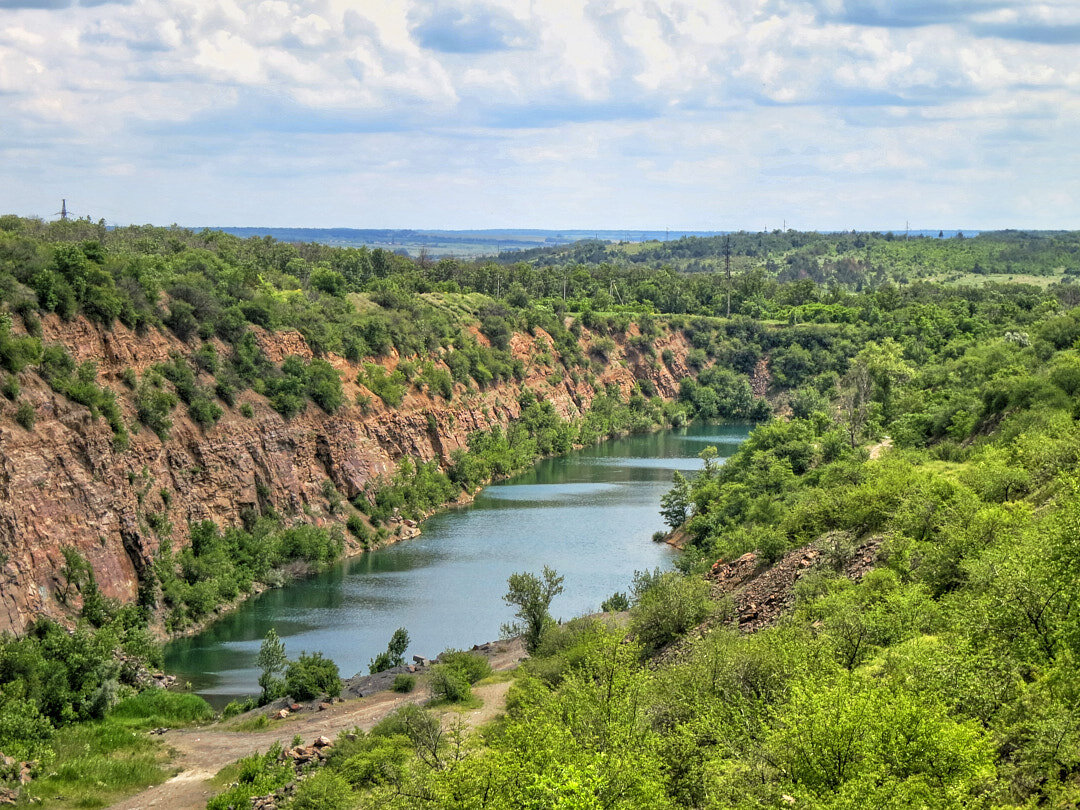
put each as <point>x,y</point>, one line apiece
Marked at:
<point>64,484</point>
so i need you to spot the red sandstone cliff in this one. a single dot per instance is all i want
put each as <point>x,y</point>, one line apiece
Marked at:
<point>62,484</point>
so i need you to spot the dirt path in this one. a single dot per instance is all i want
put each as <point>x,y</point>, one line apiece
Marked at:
<point>881,448</point>
<point>201,752</point>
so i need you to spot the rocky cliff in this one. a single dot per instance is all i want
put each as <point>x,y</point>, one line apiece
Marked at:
<point>63,484</point>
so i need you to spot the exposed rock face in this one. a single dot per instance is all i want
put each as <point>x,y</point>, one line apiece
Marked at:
<point>63,484</point>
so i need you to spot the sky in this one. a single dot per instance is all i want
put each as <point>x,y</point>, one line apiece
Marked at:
<point>623,114</point>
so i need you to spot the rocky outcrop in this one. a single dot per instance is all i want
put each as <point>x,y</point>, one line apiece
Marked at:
<point>63,483</point>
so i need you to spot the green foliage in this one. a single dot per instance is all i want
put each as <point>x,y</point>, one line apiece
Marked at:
<point>532,596</point>
<point>454,674</point>
<point>218,566</point>
<point>323,790</point>
<point>25,415</point>
<point>666,608</point>
<point>311,676</point>
<point>270,661</point>
<point>259,774</point>
<point>394,655</point>
<point>158,707</point>
<point>10,387</point>
<point>153,404</point>
<point>448,684</point>
<point>675,504</point>
<point>390,388</point>
<point>404,683</point>
<point>616,603</point>
<point>416,489</point>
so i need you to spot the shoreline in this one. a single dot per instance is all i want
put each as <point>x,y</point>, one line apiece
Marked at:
<point>402,531</point>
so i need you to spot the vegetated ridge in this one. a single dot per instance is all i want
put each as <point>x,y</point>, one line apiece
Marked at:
<point>64,484</point>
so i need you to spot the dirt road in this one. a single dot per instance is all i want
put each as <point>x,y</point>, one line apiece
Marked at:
<point>202,752</point>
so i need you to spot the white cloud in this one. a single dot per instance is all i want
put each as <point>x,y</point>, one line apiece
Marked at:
<point>617,109</point>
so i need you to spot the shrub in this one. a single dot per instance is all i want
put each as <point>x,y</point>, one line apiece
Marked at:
<point>310,676</point>
<point>236,707</point>
<point>323,790</point>
<point>666,608</point>
<point>204,411</point>
<point>404,683</point>
<point>390,388</point>
<point>357,528</point>
<point>153,405</point>
<point>259,774</point>
<point>448,684</point>
<point>471,666</point>
<point>394,656</point>
<point>10,387</point>
<point>247,411</point>
<point>616,603</point>
<point>25,415</point>
<point>324,386</point>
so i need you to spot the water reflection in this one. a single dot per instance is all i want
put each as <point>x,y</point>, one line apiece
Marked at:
<point>589,515</point>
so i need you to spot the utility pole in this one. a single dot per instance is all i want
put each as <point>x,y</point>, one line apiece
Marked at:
<point>63,212</point>
<point>727,270</point>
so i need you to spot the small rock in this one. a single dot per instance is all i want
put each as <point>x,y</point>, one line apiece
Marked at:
<point>786,799</point>
<point>322,742</point>
<point>323,707</point>
<point>351,737</point>
<point>281,715</point>
<point>295,707</point>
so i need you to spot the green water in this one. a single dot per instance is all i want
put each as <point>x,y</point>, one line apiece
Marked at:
<point>589,515</point>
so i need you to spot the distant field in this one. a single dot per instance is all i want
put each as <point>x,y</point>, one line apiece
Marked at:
<point>463,244</point>
<point>979,279</point>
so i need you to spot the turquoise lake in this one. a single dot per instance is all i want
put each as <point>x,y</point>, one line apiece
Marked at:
<point>590,515</point>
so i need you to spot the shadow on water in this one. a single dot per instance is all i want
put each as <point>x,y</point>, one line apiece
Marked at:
<point>589,515</point>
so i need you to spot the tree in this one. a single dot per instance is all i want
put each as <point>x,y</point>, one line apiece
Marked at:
<point>675,504</point>
<point>532,596</point>
<point>394,656</point>
<point>271,661</point>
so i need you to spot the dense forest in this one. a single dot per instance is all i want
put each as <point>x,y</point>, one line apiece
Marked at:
<point>919,436</point>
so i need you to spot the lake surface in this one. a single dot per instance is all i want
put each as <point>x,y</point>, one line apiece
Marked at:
<point>589,515</point>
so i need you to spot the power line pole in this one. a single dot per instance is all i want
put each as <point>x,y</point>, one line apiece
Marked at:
<point>727,270</point>
<point>63,212</point>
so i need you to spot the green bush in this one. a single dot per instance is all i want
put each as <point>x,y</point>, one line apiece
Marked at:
<point>447,683</point>
<point>259,774</point>
<point>390,388</point>
<point>25,415</point>
<point>153,404</point>
<point>237,707</point>
<point>404,683</point>
<point>311,676</point>
<point>667,608</point>
<point>10,387</point>
<point>323,790</point>
<point>469,665</point>
<point>616,603</point>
